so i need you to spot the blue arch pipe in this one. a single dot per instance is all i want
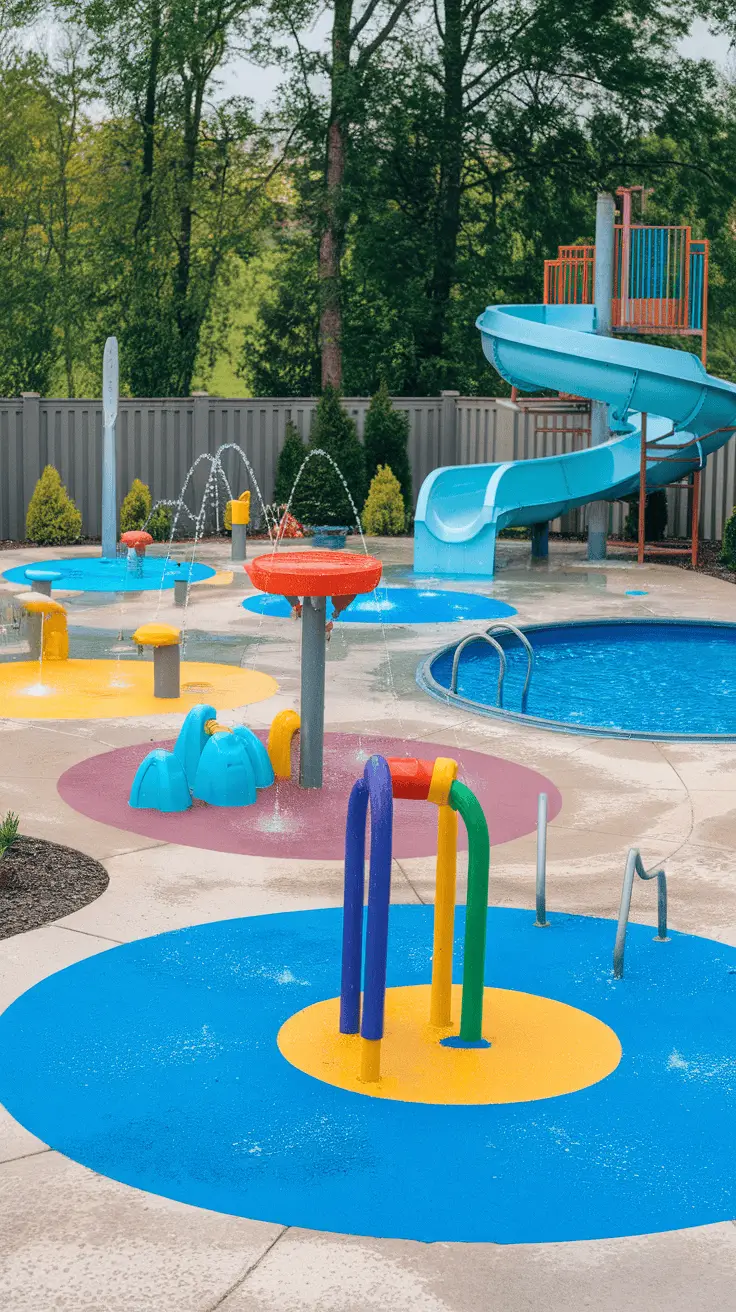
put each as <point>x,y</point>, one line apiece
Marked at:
<point>375,788</point>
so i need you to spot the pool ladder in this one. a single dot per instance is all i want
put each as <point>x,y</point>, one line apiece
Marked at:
<point>486,636</point>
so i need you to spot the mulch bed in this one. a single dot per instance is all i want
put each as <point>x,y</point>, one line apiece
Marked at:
<point>41,881</point>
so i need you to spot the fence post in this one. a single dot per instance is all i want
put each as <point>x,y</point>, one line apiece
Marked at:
<point>448,437</point>
<point>200,443</point>
<point>25,478</point>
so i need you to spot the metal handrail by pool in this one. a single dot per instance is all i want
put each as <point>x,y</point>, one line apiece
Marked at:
<point>480,637</point>
<point>486,636</point>
<point>505,624</point>
<point>634,866</point>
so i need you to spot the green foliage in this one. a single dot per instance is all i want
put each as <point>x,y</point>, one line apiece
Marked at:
<point>136,506</point>
<point>52,519</point>
<point>9,826</point>
<point>728,546</point>
<point>655,517</point>
<point>385,439</point>
<point>290,461</point>
<point>281,348</point>
<point>384,514</point>
<point>320,497</point>
<point>135,512</point>
<point>160,523</point>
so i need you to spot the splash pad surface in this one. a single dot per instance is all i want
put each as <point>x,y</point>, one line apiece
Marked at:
<point>157,1063</point>
<point>289,821</point>
<point>398,606</point>
<point>93,574</point>
<point>108,690</point>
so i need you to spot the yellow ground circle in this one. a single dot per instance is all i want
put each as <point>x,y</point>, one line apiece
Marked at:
<point>539,1049</point>
<point>106,690</point>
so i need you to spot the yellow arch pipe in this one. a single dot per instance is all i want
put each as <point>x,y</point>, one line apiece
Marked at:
<point>440,1005</point>
<point>282,730</point>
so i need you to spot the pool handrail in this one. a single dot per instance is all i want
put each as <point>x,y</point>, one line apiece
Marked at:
<point>634,866</point>
<point>480,637</point>
<point>487,636</point>
<point>512,628</point>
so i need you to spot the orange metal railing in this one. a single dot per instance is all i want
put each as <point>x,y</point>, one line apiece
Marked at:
<point>660,280</point>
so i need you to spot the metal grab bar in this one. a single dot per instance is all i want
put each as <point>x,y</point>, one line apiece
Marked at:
<point>480,637</point>
<point>634,867</point>
<point>511,628</point>
<point>486,636</point>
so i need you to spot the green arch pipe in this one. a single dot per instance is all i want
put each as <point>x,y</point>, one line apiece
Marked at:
<point>474,954</point>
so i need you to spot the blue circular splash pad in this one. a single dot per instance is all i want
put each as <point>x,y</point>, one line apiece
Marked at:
<point>93,574</point>
<point>397,606</point>
<point>617,678</point>
<point>156,1063</point>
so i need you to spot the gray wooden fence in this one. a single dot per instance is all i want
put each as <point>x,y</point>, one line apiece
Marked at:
<point>159,440</point>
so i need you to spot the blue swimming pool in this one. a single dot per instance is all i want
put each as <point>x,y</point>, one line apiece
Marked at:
<point>618,678</point>
<point>398,606</point>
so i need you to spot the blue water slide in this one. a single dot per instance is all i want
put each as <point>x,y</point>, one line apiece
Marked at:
<point>462,508</point>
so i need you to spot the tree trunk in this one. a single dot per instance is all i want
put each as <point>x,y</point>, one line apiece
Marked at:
<point>150,111</point>
<point>333,218</point>
<point>186,320</point>
<point>449,190</point>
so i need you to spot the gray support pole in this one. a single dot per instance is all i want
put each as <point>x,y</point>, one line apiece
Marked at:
<point>34,630</point>
<point>41,585</point>
<point>167,671</point>
<point>240,534</point>
<point>109,459</point>
<point>540,541</point>
<point>605,215</point>
<point>312,730</point>
<point>541,891</point>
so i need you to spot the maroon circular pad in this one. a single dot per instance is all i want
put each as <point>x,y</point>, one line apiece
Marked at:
<point>289,821</point>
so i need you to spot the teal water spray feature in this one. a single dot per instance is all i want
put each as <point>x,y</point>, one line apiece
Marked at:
<point>110,387</point>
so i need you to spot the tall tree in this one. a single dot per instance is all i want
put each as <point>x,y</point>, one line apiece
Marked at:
<point>198,173</point>
<point>357,35</point>
<point>505,65</point>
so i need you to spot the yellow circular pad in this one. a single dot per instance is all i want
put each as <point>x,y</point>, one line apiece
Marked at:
<point>539,1049</point>
<point>106,690</point>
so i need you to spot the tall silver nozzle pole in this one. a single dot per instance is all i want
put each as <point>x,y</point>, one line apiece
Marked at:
<point>605,217</point>
<point>110,378</point>
<point>542,920</point>
<point>312,729</point>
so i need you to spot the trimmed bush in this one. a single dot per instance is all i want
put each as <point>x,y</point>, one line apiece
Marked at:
<point>385,441</point>
<point>290,461</point>
<point>136,507</point>
<point>383,513</point>
<point>728,546</point>
<point>320,497</point>
<point>52,519</point>
<point>159,525</point>
<point>655,517</point>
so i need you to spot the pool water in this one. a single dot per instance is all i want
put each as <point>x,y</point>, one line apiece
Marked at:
<point>398,606</point>
<point>644,678</point>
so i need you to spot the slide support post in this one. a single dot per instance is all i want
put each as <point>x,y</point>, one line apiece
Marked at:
<point>605,214</point>
<point>540,541</point>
